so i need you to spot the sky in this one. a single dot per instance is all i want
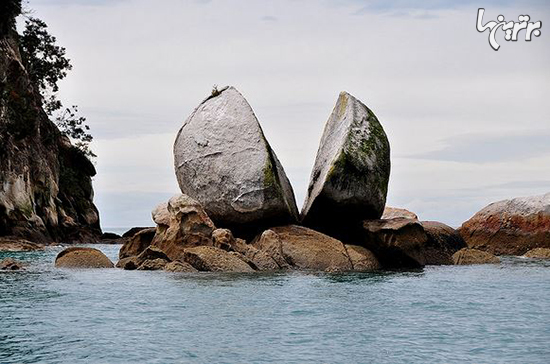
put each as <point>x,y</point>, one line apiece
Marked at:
<point>467,125</point>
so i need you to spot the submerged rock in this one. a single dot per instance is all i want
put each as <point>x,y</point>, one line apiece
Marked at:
<point>394,212</point>
<point>78,257</point>
<point>181,223</point>
<point>538,253</point>
<point>211,259</point>
<point>10,264</point>
<point>302,248</point>
<point>224,161</point>
<point>468,256</point>
<point>349,181</point>
<point>510,227</point>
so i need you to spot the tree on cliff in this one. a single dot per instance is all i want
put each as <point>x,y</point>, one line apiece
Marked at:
<point>46,65</point>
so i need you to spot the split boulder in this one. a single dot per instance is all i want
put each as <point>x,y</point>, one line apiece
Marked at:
<point>223,160</point>
<point>349,181</point>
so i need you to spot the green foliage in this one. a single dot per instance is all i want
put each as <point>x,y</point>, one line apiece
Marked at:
<point>46,65</point>
<point>215,91</point>
<point>44,60</point>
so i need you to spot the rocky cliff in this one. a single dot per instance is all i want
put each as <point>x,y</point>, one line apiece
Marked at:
<point>46,189</point>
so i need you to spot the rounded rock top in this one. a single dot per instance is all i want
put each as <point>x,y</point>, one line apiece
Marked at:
<point>81,257</point>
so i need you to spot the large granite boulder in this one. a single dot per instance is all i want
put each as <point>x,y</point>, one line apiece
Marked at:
<point>302,248</point>
<point>349,181</point>
<point>468,256</point>
<point>181,223</point>
<point>223,160</point>
<point>510,227</point>
<point>77,257</point>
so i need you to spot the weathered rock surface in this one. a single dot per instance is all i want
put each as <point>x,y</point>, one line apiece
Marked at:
<point>394,212</point>
<point>10,264</point>
<point>362,259</point>
<point>211,259</point>
<point>349,181</point>
<point>151,258</point>
<point>302,248</point>
<point>12,244</point>
<point>260,260</point>
<point>179,267</point>
<point>510,227</point>
<point>538,253</point>
<point>398,243</point>
<point>137,243</point>
<point>77,257</point>
<point>468,256</point>
<point>128,263</point>
<point>46,189</point>
<point>181,223</point>
<point>443,242</point>
<point>224,161</point>
<point>408,243</point>
<point>153,264</point>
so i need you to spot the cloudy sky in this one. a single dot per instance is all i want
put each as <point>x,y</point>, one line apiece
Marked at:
<point>467,125</point>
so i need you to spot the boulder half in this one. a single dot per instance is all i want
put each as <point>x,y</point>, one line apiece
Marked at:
<point>349,181</point>
<point>223,160</point>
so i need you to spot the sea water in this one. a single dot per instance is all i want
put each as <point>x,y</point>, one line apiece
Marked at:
<point>440,314</point>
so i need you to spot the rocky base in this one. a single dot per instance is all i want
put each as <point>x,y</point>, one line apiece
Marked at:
<point>186,240</point>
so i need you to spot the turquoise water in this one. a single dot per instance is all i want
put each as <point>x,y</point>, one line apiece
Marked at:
<point>477,314</point>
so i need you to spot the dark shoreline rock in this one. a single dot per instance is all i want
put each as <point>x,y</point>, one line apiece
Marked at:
<point>133,231</point>
<point>46,192</point>
<point>408,243</point>
<point>18,245</point>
